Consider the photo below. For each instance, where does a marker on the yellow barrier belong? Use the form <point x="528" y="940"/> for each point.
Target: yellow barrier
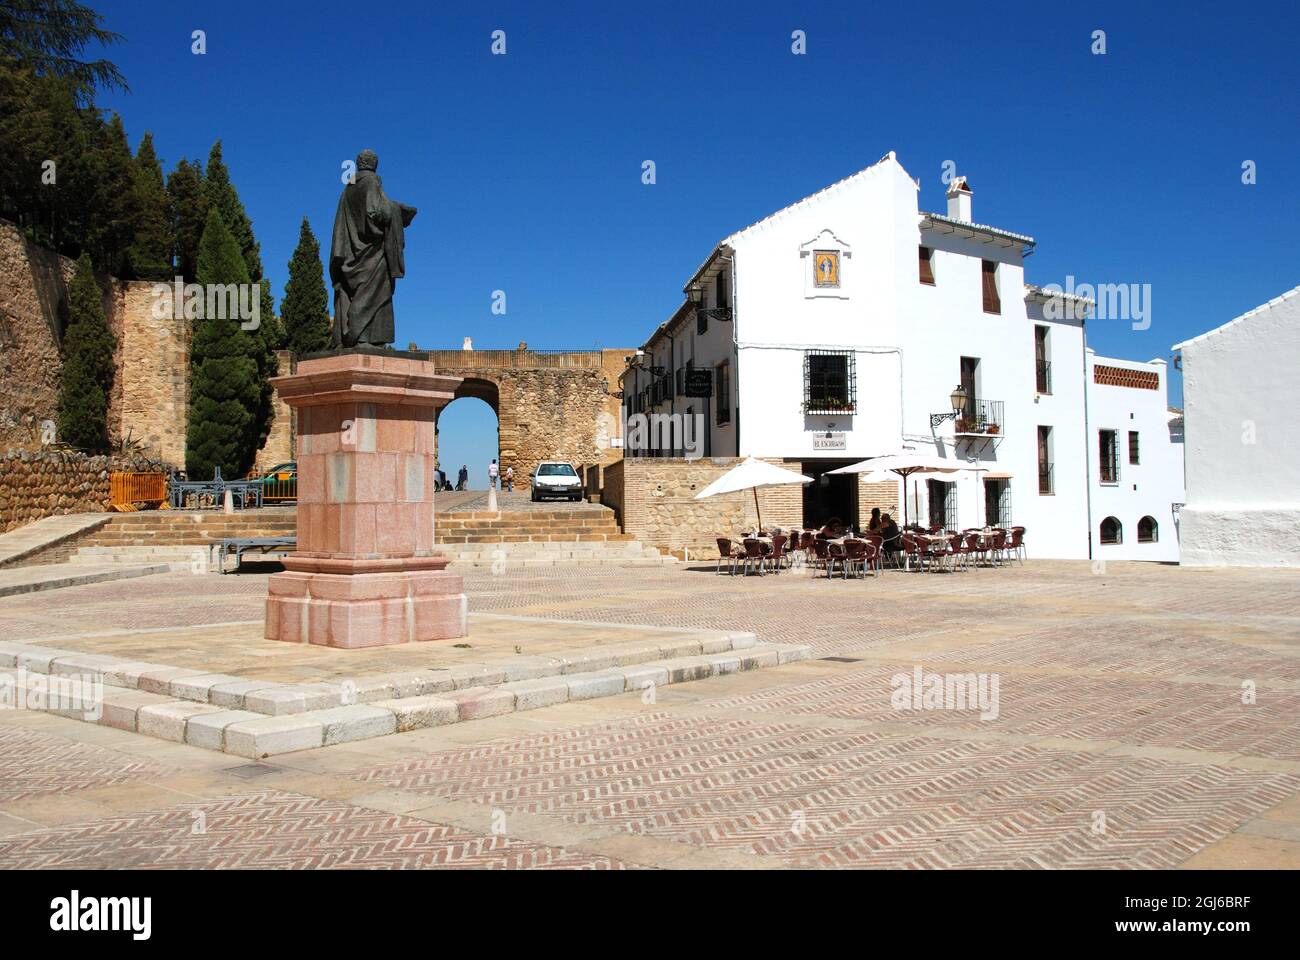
<point x="129" y="492"/>
<point x="279" y="487"/>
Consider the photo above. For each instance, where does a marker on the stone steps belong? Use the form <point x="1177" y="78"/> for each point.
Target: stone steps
<point x="54" y="576"/>
<point x="256" y="719"/>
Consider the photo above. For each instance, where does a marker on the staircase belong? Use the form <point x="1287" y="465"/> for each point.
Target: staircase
<point x="513" y="538"/>
<point x="176" y="538"/>
<point x="540" y="537"/>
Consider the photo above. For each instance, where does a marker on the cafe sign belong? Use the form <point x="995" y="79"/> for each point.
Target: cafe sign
<point x="829" y="441"/>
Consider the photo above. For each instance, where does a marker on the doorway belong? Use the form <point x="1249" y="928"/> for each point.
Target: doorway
<point x="830" y="495"/>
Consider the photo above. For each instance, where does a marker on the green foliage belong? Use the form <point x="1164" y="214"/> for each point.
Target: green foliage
<point x="223" y="196"/>
<point x="305" y="307"/>
<point x="225" y="388"/>
<point x="87" y="377"/>
<point x="150" y="254"/>
<point x="48" y="37"/>
<point x="187" y="211"/>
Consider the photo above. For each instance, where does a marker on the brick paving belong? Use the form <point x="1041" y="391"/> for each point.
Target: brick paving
<point x="1148" y="717"/>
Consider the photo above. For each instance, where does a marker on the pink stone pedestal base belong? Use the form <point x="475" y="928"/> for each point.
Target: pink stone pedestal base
<point x="365" y="609"/>
<point x="365" y="573"/>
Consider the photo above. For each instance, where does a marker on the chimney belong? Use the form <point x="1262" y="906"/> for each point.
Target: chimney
<point x="959" y="200"/>
<point x="468" y="344"/>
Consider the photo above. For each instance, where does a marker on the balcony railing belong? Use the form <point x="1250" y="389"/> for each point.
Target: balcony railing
<point x="1044" y="376"/>
<point x="1045" y="478"/>
<point x="981" y="417"/>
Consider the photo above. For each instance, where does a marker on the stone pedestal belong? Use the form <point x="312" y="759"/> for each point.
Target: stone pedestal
<point x="364" y="573"/>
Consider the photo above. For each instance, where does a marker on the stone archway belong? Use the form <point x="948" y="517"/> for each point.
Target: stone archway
<point x="486" y="389"/>
<point x="549" y="404"/>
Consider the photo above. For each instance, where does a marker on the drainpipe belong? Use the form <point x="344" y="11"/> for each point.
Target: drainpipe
<point x="735" y="355"/>
<point x="672" y="378"/>
<point x="1087" y="432"/>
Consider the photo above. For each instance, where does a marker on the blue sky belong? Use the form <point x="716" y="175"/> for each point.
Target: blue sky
<point x="526" y="167"/>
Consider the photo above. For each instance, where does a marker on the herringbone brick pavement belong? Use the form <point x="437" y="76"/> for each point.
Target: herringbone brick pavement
<point x="276" y="830"/>
<point x="32" y="764"/>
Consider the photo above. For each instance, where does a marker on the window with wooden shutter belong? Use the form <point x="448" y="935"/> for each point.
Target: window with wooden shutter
<point x="992" y="304"/>
<point x="925" y="256"/>
<point x="1133" y="452"/>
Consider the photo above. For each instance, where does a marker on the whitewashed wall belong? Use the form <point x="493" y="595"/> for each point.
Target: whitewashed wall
<point x="1240" y="397"/>
<point x="1149" y="488"/>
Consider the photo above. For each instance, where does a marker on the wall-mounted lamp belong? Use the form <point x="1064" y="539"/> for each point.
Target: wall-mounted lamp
<point x="958" y="400"/>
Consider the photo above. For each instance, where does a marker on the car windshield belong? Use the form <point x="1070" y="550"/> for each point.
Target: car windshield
<point x="556" y="470"/>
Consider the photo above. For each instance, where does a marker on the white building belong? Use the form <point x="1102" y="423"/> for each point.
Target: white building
<point x="838" y="328"/>
<point x="1136" y="464"/>
<point x="1243" y="462"/>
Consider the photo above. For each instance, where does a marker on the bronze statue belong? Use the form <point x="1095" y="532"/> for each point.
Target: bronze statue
<point x="366" y="258"/>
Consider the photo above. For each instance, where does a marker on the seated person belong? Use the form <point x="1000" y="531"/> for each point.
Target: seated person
<point x="833" y="529"/>
<point x="874" y="525"/>
<point x="889" y="530"/>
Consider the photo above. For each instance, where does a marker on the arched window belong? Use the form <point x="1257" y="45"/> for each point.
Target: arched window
<point x="1148" y="530"/>
<point x="1111" y="531"/>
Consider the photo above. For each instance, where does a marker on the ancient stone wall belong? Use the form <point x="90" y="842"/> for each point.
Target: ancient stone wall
<point x="151" y="391"/>
<point x="279" y="446"/>
<point x="549" y="406"/>
<point x="149" y="399"/>
<point x="33" y="292"/>
<point x="37" y="484"/>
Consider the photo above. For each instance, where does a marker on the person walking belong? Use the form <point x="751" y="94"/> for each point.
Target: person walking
<point x="493" y="472"/>
<point x="462" y="480"/>
<point x="509" y="479"/>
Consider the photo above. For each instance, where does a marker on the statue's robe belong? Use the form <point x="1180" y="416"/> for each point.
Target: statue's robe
<point x="366" y="259"/>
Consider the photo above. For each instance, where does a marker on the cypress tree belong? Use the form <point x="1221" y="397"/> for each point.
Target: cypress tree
<point x="150" y="254"/>
<point x="305" y="307"/>
<point x="225" y="392"/>
<point x="187" y="203"/>
<point x="87" y="377"/>
<point x="113" y="198"/>
<point x="222" y="195"/>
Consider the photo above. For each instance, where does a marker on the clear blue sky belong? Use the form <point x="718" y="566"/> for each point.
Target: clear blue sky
<point x="527" y="167"/>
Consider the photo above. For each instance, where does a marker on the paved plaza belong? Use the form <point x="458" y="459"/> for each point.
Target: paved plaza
<point x="1146" y="716"/>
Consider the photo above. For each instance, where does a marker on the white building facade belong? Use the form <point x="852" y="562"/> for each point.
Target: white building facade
<point x="838" y="329"/>
<point x="1243" y="461"/>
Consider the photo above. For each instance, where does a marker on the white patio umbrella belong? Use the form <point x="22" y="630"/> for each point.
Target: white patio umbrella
<point x="902" y="464"/>
<point x="750" y="475"/>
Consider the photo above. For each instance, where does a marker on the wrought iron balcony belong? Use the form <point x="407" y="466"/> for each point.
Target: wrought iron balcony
<point x="984" y="417"/>
<point x="1044" y="376"/>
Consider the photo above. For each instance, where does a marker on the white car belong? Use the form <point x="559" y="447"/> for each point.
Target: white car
<point x="555" y="478"/>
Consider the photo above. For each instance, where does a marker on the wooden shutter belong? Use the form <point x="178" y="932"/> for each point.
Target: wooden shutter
<point x="991" y="302"/>
<point x="927" y="268"/>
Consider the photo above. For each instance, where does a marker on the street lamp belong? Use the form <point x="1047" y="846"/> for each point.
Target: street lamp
<point x="696" y="292"/>
<point x="958" y="400"/>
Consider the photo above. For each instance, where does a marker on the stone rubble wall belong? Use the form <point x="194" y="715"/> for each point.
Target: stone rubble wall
<point x="37" y="484"/>
<point x="150" y="395"/>
<point x="33" y="290"/>
<point x="279" y="446"/>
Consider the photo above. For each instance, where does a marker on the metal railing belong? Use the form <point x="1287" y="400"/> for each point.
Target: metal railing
<point x="1045" y="478"/>
<point x="1044" y="376"/>
<point x="126" y="490"/>
<point x="981" y="416"/>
